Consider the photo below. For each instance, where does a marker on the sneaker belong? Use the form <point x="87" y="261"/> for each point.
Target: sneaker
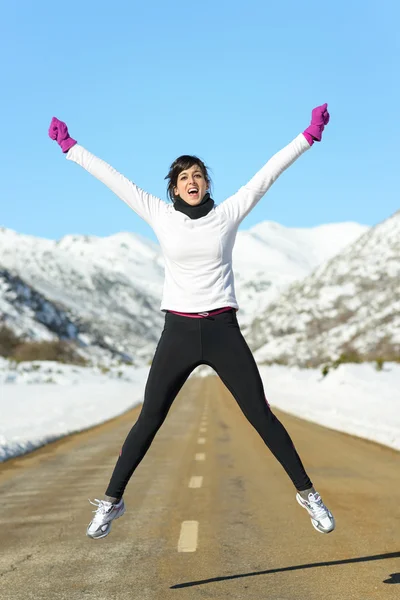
<point x="106" y="512"/>
<point x="321" y="518"/>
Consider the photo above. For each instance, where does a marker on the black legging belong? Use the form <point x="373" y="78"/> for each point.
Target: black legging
<point x="185" y="344"/>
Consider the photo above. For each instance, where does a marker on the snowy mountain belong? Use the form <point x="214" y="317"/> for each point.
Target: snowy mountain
<point x="29" y="314"/>
<point x="110" y="288"/>
<point x="350" y="305"/>
<point x="269" y="257"/>
<point x="111" y="285"/>
<point x="32" y="317"/>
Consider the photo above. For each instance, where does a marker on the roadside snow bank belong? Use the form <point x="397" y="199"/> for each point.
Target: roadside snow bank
<point x="354" y="398"/>
<point x="39" y="405"/>
<point x="35" y="414"/>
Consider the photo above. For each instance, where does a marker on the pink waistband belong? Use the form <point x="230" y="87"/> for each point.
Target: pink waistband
<point x="202" y="315"/>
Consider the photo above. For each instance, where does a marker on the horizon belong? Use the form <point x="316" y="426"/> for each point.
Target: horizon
<point x="154" y="239"/>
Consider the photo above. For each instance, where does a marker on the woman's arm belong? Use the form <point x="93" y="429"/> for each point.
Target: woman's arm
<point x="145" y="205"/>
<point x="238" y="206"/>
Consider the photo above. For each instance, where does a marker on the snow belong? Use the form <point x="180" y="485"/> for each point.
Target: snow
<point x="354" y="398"/>
<point x="42" y="404"/>
<point x="38" y="406"/>
<point x="269" y="257"/>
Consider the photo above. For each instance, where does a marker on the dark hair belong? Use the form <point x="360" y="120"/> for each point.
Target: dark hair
<point x="181" y="164"/>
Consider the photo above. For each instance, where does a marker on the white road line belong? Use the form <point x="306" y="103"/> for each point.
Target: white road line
<point x="203" y="429"/>
<point x="188" y="536"/>
<point x="201" y="440"/>
<point x="200" y="456"/>
<point x="196" y="481"/>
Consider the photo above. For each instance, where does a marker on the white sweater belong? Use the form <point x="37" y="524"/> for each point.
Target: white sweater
<point x="197" y="252"/>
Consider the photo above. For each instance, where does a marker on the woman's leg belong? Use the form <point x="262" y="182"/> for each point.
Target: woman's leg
<point x="227" y="352"/>
<point x="175" y="358"/>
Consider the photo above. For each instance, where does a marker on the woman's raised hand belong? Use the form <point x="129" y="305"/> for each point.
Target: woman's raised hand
<point x="319" y="118"/>
<point x="58" y="131"/>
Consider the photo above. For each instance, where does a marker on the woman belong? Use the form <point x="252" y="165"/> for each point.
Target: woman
<point x="197" y="238"/>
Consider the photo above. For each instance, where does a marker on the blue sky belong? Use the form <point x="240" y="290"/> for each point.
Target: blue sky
<point x="140" y="83"/>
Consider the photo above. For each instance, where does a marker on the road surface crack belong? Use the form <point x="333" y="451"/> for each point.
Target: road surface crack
<point x="15" y="566"/>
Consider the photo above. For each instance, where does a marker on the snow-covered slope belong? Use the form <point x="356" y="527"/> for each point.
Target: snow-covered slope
<point x="269" y="257"/>
<point x="113" y="285"/>
<point x="29" y="314"/>
<point x="349" y="305"/>
<point x="32" y="317"/>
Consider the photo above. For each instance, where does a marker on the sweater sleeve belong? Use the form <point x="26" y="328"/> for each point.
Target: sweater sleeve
<point x="145" y="205"/>
<point x="238" y="206"/>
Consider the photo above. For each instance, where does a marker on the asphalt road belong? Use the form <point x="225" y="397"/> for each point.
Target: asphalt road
<point x="210" y="514"/>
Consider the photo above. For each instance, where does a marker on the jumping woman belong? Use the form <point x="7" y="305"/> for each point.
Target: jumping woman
<point x="197" y="237"/>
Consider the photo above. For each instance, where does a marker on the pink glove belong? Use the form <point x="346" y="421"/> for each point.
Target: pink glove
<point x="319" y="118"/>
<point x="59" y="131"/>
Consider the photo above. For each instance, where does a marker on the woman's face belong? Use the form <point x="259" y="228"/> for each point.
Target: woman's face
<point x="191" y="185"/>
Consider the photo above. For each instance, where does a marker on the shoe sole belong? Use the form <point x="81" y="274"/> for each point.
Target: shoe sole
<point x="100" y="537"/>
<point x="313" y="522"/>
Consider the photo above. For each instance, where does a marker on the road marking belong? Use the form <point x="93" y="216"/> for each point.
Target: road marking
<point x="200" y="456"/>
<point x="188" y="536"/>
<point x="196" y="481"/>
<point x="203" y="429"/>
<point x="201" y="440"/>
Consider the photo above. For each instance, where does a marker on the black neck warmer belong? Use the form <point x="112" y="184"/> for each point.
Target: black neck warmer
<point x="194" y="212"/>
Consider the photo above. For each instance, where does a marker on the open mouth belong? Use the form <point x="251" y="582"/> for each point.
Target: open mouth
<point x="193" y="192"/>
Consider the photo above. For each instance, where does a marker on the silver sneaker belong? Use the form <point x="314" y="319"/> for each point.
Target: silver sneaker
<point x="321" y="518"/>
<point x="106" y="512"/>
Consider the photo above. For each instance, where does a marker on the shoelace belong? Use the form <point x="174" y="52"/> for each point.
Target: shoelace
<point x="317" y="506"/>
<point x="102" y="509"/>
